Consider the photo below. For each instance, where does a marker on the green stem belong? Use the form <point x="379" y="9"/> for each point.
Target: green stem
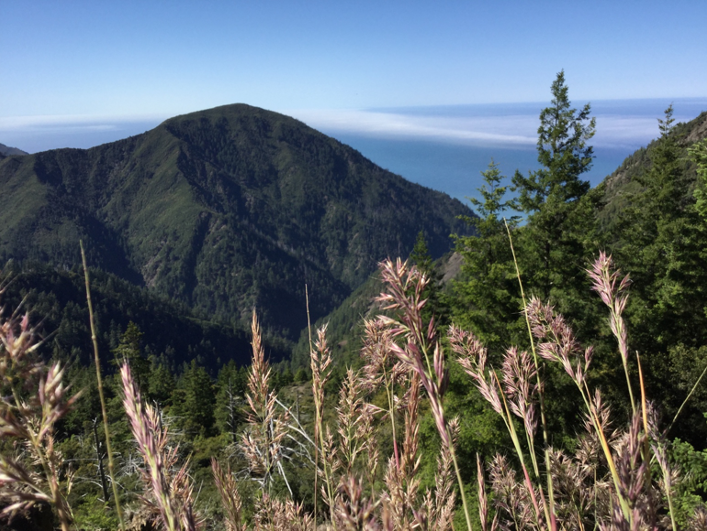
<point x="543" y="421"/>
<point x="94" y="339"/>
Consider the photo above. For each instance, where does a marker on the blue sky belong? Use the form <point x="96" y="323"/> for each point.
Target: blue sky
<point x="75" y="69"/>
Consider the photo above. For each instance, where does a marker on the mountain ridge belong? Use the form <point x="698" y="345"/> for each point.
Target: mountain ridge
<point x="225" y="209"/>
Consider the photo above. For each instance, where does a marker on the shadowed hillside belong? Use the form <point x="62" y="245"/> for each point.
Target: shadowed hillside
<point x="225" y="210"/>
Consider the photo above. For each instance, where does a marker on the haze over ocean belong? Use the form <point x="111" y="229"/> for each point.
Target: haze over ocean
<point x="446" y="147"/>
<point x="441" y="147"/>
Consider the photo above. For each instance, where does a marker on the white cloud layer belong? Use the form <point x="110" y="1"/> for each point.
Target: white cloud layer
<point x="511" y="130"/>
<point x="620" y="124"/>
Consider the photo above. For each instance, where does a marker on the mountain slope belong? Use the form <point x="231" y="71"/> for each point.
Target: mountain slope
<point x="226" y="210"/>
<point x="7" y="151"/>
<point x="622" y="185"/>
<point x="56" y="301"/>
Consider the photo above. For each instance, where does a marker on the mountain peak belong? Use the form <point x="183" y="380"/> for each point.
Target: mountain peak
<point x="225" y="209"/>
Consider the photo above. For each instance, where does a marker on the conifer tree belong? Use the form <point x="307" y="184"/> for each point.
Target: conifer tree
<point x="196" y="407"/>
<point x="130" y="349"/>
<point x="486" y="298"/>
<point x="553" y="251"/>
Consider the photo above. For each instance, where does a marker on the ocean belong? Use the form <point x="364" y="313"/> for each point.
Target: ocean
<point x="446" y="148"/>
<point x="441" y="147"/>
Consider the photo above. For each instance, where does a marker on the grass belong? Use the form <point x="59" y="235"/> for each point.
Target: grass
<point x="616" y="477"/>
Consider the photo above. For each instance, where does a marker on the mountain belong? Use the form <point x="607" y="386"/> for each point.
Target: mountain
<point x="224" y="210"/>
<point x="622" y="185"/>
<point x="172" y="334"/>
<point x="6" y="151"/>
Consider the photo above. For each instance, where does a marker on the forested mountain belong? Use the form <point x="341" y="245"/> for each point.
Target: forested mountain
<point x="527" y="343"/>
<point x="224" y="210"/>
<point x="173" y="335"/>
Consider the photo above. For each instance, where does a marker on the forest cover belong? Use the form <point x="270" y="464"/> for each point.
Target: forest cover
<point x="554" y="383"/>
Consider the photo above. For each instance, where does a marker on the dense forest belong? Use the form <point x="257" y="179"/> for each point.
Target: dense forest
<point x="547" y="374"/>
<point x="222" y="210"/>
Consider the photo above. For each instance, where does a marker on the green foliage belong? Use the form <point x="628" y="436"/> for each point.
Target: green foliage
<point x="224" y="210"/>
<point x="194" y="401"/>
<point x="230" y="398"/>
<point x="485" y="296"/>
<point x="698" y="153"/>
<point x="552" y="245"/>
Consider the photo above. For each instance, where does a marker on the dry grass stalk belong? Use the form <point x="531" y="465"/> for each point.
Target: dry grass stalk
<point x="171" y="494"/>
<point x="320" y="363"/>
<point x="262" y="442"/>
<point x="33" y="400"/>
<point x="421" y="350"/>
<point x="99" y="381"/>
<point x="228" y="490"/>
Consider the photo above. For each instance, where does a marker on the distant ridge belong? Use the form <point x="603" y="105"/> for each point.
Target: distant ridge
<point x="226" y="210"/>
<point x="6" y="151"/>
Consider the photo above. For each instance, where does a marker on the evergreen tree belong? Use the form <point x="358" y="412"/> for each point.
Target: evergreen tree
<point x="129" y="350"/>
<point x="195" y="408"/>
<point x="162" y="384"/>
<point x="553" y="254"/>
<point x="232" y="383"/>
<point x="485" y="298"/>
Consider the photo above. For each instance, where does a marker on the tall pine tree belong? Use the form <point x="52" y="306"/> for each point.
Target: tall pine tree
<point x="553" y="256"/>
<point x="486" y="297"/>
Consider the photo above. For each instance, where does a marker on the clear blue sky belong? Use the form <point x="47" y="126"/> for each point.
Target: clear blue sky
<point x="161" y="58"/>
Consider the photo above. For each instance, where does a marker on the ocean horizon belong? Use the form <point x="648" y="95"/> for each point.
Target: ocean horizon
<point x="440" y="147"/>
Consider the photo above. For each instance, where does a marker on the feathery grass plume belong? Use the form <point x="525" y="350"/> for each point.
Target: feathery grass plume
<point x="518" y="370"/>
<point x="320" y="363"/>
<point x="228" y="490"/>
<point x="512" y="499"/>
<point x="354" y="512"/>
<point x="355" y="424"/>
<point x="262" y="442"/>
<point x="382" y="368"/>
<point x="278" y="515"/>
<point x="33" y="400"/>
<point x="171" y="495"/>
<point x="438" y="504"/>
<point x="561" y="347"/>
<point x="575" y="487"/>
<point x="605" y="281"/>
<point x="483" y="499"/>
<point x="401" y="478"/>
<point x="421" y="351"/>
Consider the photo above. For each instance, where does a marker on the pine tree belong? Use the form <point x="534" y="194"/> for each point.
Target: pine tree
<point x="230" y="400"/>
<point x="486" y="298"/>
<point x="553" y="254"/>
<point x="129" y="350"/>
<point x="198" y="399"/>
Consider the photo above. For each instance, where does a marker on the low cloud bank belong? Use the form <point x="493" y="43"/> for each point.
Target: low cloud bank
<point x="628" y="124"/>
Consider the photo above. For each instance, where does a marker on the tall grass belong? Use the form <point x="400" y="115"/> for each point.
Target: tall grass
<point x="615" y="478"/>
<point x="33" y="399"/>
